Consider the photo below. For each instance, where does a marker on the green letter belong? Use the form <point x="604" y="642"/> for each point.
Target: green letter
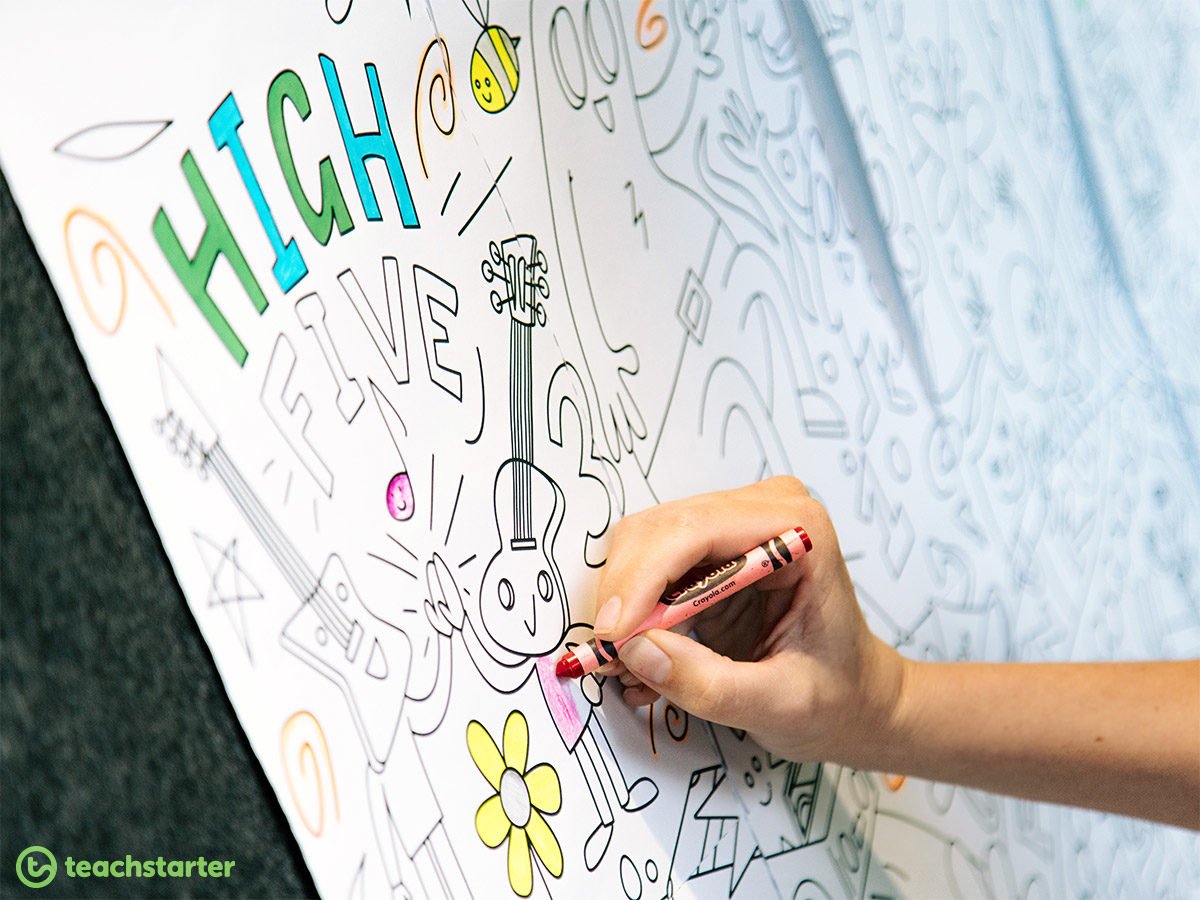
<point x="288" y="86"/>
<point x="194" y="272"/>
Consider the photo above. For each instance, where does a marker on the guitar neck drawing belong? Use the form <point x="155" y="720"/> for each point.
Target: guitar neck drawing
<point x="526" y="312"/>
<point x="520" y="373"/>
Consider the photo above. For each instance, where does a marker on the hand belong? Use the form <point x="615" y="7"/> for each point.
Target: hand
<point x="789" y="660"/>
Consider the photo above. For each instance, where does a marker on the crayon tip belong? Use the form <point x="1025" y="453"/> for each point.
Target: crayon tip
<point x="804" y="538"/>
<point x="569" y="666"/>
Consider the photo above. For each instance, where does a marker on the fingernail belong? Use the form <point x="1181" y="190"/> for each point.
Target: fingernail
<point x="642" y="657"/>
<point x="608" y="617"/>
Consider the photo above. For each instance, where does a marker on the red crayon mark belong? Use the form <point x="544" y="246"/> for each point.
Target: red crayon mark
<point x="562" y="707"/>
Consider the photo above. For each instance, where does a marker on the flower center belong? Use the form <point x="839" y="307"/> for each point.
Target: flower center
<point x="514" y="797"/>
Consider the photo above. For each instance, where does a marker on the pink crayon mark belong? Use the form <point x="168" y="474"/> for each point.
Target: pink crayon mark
<point x="400" y="497"/>
<point x="559" y="699"/>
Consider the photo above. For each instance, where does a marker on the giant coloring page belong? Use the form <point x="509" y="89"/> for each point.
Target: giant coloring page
<point x="398" y="306"/>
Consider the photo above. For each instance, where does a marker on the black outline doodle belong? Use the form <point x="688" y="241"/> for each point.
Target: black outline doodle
<point x="434" y="291"/>
<point x="449" y="193"/>
<point x="107" y="129"/>
<point x="524" y="569"/>
<point x="491" y="190"/>
<point x="276" y="383"/>
<point x="638" y="214"/>
<point x="310" y="310"/>
<point x="393" y="422"/>
<point x="334" y="17"/>
<point x="222" y="564"/>
<point x="396" y="354"/>
<point x="368" y="656"/>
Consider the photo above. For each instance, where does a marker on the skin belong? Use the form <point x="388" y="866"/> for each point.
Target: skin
<point x="792" y="661"/>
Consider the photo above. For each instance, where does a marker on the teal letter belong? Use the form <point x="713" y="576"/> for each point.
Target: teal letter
<point x="370" y="145"/>
<point x="224" y="123"/>
<point x="195" y="271"/>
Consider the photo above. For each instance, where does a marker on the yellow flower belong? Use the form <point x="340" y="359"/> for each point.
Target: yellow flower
<point x="515" y="810"/>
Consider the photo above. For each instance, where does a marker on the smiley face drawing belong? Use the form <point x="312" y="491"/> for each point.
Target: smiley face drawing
<point x="494" y="69"/>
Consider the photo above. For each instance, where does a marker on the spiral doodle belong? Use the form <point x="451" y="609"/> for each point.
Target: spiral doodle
<point x="102" y="283"/>
<point x="309" y="770"/>
<point x="438" y="92"/>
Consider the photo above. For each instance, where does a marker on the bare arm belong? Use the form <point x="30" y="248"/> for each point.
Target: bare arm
<point x="793" y="662"/>
<point x="1120" y="737"/>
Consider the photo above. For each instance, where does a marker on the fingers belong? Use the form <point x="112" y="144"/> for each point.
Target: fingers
<point x="704" y="683"/>
<point x="652" y="549"/>
<point x="640" y="695"/>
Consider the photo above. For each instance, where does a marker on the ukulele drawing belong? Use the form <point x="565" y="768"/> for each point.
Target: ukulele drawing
<point x="523" y="581"/>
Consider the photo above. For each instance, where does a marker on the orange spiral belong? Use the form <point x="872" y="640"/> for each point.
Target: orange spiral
<point x="103" y="284"/>
<point x="309" y="770"/>
<point x="438" y="93"/>
<point x="651" y="26"/>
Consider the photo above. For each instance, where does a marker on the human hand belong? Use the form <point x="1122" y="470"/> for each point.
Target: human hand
<point x="789" y="660"/>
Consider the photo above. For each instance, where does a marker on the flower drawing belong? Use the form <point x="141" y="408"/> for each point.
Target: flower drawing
<point x="516" y="810"/>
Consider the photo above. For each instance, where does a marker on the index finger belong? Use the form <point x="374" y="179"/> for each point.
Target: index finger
<point x="658" y="546"/>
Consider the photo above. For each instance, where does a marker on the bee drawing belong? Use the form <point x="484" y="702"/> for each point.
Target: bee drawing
<point x="495" y="70"/>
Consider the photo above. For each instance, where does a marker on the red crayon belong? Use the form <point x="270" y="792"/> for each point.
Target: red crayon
<point x="680" y="605"/>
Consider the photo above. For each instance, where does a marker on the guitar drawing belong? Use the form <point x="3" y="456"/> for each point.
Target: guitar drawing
<point x="333" y="630"/>
<point x="523" y="604"/>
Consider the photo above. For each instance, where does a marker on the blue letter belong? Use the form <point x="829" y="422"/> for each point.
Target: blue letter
<point x="370" y="145"/>
<point x="224" y="123"/>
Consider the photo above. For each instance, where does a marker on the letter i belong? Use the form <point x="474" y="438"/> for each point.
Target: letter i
<point x="289" y="265"/>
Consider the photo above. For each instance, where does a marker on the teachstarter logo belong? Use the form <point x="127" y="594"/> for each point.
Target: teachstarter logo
<point x="37" y="867"/>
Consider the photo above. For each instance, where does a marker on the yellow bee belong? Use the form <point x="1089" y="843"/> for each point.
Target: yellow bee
<point x="494" y="69"/>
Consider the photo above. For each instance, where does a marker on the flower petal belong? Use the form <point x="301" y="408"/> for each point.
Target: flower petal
<point x="490" y="821"/>
<point x="520" y="866"/>
<point x="485" y="753"/>
<point x="544" y="790"/>
<point x="545" y="844"/>
<point x="516" y="741"/>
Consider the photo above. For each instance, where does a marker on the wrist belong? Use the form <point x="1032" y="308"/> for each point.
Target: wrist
<point x="884" y="711"/>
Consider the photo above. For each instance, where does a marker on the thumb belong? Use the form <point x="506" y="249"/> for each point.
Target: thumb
<point x="702" y="681"/>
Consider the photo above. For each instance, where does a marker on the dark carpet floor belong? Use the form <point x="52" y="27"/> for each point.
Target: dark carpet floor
<point x="116" y="735"/>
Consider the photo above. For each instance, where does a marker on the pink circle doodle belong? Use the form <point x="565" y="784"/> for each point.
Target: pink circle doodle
<point x="400" y="497"/>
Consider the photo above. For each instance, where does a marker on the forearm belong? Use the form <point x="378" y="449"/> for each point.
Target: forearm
<point x="1121" y="737"/>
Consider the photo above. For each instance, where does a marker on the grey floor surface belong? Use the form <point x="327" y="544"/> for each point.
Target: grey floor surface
<point x="116" y="735"/>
